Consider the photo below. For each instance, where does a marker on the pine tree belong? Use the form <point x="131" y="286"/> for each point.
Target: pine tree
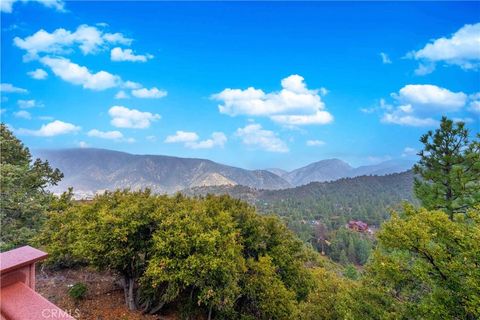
<point x="449" y="169"/>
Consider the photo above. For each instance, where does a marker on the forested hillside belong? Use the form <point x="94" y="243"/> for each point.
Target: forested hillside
<point x="366" y="198"/>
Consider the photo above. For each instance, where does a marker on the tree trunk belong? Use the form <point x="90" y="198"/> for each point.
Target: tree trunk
<point x="128" y="290"/>
<point x="131" y="296"/>
<point x="210" y="313"/>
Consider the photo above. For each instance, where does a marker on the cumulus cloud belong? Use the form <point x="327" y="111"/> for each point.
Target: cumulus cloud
<point x="123" y="117"/>
<point x="461" y="49"/>
<point x="131" y="85"/>
<point x="6" y="6"/>
<point x="51" y="129"/>
<point x="22" y="114"/>
<point x="385" y="58"/>
<point x="152" y="93"/>
<point x="121" y="95"/>
<point x="424" y="69"/>
<point x="119" y="54"/>
<point x="315" y="143"/>
<point x="89" y="39"/>
<point x="418" y="105"/>
<point x="26" y="104"/>
<point x="474" y="105"/>
<point x="295" y="104"/>
<point x="320" y="117"/>
<point x="182" y="136"/>
<point x="110" y="135"/>
<point x="10" y="88"/>
<point x="255" y="136"/>
<point x="430" y="97"/>
<point x="80" y="75"/>
<point x="406" y="120"/>
<point x="38" y="74"/>
<point x="192" y="140"/>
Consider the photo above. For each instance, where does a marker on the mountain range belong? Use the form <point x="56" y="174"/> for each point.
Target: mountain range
<point x="334" y="169"/>
<point x="89" y="170"/>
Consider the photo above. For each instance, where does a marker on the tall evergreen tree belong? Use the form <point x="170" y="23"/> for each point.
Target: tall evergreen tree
<point x="449" y="169"/>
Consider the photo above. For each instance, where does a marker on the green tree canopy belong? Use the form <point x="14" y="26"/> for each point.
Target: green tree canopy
<point x="24" y="197"/>
<point x="214" y="254"/>
<point x="428" y="265"/>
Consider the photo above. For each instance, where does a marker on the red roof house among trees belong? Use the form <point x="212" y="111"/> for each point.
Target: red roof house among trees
<point x="358" y="225"/>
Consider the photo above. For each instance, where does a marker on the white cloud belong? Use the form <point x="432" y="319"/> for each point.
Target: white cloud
<point x="6" y="6"/>
<point x="295" y="104"/>
<point x="121" y="95"/>
<point x="418" y="105"/>
<point x="80" y="75"/>
<point x="409" y="151"/>
<point x="117" y="38"/>
<point x="89" y="39"/>
<point x="9" y="88"/>
<point x="182" y="136"/>
<point x="430" y="97"/>
<point x="475" y="106"/>
<point x="405" y="120"/>
<point x="191" y="140"/>
<point x="152" y="93"/>
<point x="424" y="69"/>
<point x="255" y="136"/>
<point x="83" y="144"/>
<point x="51" y="129"/>
<point x="131" y="85"/>
<point x="123" y="117"/>
<point x="23" y="114"/>
<point x="38" y="74"/>
<point x="110" y="135"/>
<point x="217" y="139"/>
<point x="26" y="104"/>
<point x="119" y="54"/>
<point x="385" y="58"/>
<point x="320" y="117"/>
<point x="461" y="49"/>
<point x="315" y="143"/>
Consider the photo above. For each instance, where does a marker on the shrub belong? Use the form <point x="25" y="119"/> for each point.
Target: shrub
<point x="78" y="291"/>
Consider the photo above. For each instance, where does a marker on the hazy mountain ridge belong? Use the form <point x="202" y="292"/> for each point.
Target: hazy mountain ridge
<point x="89" y="170"/>
<point x="98" y="169"/>
<point x="334" y="169"/>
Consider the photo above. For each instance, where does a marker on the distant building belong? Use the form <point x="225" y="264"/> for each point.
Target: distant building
<point x="359" y="226"/>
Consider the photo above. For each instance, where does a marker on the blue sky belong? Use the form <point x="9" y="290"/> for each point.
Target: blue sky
<point x="249" y="84"/>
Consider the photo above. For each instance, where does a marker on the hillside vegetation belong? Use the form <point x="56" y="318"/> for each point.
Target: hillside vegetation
<point x="215" y="257"/>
